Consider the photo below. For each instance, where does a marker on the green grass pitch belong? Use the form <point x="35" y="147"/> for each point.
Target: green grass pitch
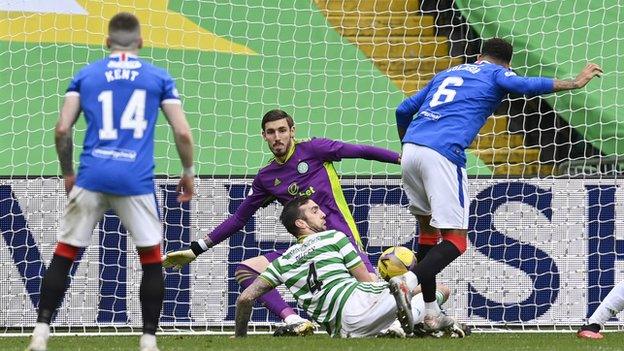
<point x="483" y="341"/>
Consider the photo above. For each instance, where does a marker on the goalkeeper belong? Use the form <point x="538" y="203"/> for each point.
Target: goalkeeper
<point x="326" y="275"/>
<point x="298" y="168"/>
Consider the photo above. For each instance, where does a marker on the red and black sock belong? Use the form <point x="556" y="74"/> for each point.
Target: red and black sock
<point x="55" y="281"/>
<point x="427" y="241"/>
<point x="438" y="258"/>
<point x="152" y="290"/>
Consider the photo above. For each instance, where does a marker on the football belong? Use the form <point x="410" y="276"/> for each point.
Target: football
<point x="395" y="261"/>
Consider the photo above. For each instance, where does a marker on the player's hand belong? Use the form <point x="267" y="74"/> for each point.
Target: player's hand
<point x="590" y="71"/>
<point x="178" y="259"/>
<point x="185" y="188"/>
<point x="69" y="181"/>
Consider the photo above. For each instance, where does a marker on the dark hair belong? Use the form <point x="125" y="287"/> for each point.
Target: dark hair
<point x="276" y="115"/>
<point x="124" y="31"/>
<point x="497" y="48"/>
<point x="292" y="212"/>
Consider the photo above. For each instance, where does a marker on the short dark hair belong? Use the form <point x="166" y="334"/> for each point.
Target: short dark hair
<point x="498" y="48"/>
<point x="124" y="31"/>
<point x="292" y="212"/>
<point x="276" y="115"/>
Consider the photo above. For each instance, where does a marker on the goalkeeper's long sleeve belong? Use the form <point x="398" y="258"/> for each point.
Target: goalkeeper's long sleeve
<point x="257" y="197"/>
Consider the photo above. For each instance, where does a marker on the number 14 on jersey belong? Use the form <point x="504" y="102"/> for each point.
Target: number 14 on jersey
<point x="133" y="116"/>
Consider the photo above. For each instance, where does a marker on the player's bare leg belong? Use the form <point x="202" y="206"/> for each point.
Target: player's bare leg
<point x="246" y="272"/>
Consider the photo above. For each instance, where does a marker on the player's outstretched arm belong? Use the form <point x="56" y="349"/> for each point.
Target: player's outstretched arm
<point x="245" y="302"/>
<point x="63" y="138"/>
<point x="258" y="196"/>
<point x="184" y="144"/>
<point x="590" y="71"/>
<point x="334" y="150"/>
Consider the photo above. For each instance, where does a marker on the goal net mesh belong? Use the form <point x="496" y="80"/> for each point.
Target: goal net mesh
<point x="545" y="233"/>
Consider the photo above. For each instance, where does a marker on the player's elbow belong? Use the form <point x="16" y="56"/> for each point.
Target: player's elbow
<point x="184" y="136"/>
<point x="61" y="131"/>
<point x="401" y="111"/>
<point x="403" y="115"/>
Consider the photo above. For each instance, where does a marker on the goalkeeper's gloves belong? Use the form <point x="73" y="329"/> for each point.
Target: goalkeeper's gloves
<point x="179" y="259"/>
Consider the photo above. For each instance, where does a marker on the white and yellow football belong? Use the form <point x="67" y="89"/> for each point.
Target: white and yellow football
<point x="395" y="261"/>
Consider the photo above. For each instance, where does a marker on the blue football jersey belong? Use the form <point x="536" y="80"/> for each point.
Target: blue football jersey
<point x="447" y="113"/>
<point x="120" y="97"/>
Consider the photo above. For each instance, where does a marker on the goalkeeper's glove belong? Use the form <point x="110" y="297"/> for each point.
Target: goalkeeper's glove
<point x="179" y="259"/>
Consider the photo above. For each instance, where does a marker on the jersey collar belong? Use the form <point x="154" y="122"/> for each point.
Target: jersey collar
<point x="291" y="151"/>
<point x="123" y="56"/>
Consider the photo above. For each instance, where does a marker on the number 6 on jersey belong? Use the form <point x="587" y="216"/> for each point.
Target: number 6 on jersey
<point x="443" y="90"/>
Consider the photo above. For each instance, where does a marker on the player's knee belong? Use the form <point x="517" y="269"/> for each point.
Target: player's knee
<point x="258" y="264"/>
<point x="150" y="255"/>
<point x="243" y="273"/>
<point x="458" y="239"/>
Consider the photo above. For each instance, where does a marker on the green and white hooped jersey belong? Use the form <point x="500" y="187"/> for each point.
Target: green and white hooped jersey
<point x="316" y="272"/>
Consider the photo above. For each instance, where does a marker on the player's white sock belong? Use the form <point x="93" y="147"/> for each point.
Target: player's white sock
<point x="411" y="280"/>
<point x="42" y="330"/>
<point x="610" y="306"/>
<point x="293" y="319"/>
<point x="148" y="341"/>
<point x="39" y="340"/>
<point x="418" y="308"/>
<point x="432" y="309"/>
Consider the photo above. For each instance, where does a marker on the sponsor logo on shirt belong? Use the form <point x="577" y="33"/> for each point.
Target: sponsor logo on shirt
<point x="430" y="114"/>
<point x="124" y="64"/>
<point x="115" y="154"/>
<point x="293" y="189"/>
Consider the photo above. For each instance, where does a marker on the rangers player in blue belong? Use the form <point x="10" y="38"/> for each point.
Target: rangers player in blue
<point x="435" y="126"/>
<point x="120" y="97"/>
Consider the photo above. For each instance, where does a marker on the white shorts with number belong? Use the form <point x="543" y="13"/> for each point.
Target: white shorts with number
<point x="366" y="313"/>
<point x="435" y="186"/>
<point x="138" y="214"/>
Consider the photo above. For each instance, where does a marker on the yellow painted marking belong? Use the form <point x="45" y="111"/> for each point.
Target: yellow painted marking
<point x="160" y="27"/>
